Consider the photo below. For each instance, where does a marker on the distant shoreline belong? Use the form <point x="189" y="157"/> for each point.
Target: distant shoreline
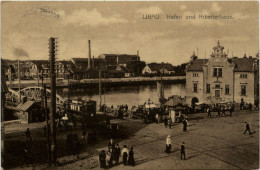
<point x="94" y="83"/>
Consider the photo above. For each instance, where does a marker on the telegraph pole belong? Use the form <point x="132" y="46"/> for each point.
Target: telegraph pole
<point x="100" y="98"/>
<point x="19" y="78"/>
<point x="42" y="77"/>
<point x="52" y="52"/>
<point x="38" y="77"/>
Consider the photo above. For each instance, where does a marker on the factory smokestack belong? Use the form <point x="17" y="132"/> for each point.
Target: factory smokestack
<point x="89" y="56"/>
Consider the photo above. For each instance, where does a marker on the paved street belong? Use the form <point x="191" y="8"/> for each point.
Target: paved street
<point x="210" y="143"/>
<point x="217" y="143"/>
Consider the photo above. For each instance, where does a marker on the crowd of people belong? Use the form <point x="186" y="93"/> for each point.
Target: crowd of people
<point x="111" y="157"/>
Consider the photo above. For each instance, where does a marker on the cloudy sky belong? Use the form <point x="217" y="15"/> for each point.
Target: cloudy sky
<point x="119" y="27"/>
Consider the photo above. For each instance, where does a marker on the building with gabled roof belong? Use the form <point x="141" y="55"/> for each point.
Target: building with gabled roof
<point x="222" y="78"/>
<point x="39" y="67"/>
<point x="167" y="68"/>
<point x="162" y="68"/>
<point x="152" y="68"/>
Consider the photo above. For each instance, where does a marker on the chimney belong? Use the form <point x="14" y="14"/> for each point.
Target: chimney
<point x="250" y="56"/>
<point x="244" y="56"/>
<point x="137" y="52"/>
<point x="93" y="64"/>
<point x="89" y="56"/>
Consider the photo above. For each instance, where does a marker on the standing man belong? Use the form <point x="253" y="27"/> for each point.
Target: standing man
<point x="247" y="128"/>
<point x="165" y="121"/>
<point x="77" y="148"/>
<point x="183" y="151"/>
<point x="111" y="145"/>
<point x="219" y="109"/>
<point x="157" y="118"/>
<point x="28" y="136"/>
<point x="242" y="104"/>
<point x="223" y="110"/>
<point x="170" y="122"/>
<point x="232" y="108"/>
<point x="102" y="159"/>
<point x="116" y="153"/>
<point x="184" y="125"/>
<point x="209" y="112"/>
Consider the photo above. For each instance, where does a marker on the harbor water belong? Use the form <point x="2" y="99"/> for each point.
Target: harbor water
<point x="130" y="95"/>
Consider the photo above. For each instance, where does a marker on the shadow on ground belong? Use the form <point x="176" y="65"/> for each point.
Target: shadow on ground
<point x="15" y="144"/>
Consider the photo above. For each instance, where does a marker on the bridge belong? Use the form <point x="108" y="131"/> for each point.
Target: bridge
<point x="34" y="93"/>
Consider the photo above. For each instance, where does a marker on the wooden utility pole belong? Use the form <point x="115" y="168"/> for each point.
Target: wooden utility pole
<point x="100" y="98"/>
<point x="68" y="86"/>
<point x="38" y="77"/>
<point x="52" y="50"/>
<point x="19" y="78"/>
<point x="47" y="124"/>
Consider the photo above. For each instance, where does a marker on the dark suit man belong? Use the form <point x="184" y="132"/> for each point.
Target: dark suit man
<point x="183" y="151"/>
<point x="247" y="128"/>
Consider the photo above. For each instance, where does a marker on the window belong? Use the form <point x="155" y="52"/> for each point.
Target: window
<point x="226" y="89"/>
<point x="243" y="90"/>
<point x="208" y="88"/>
<point x="195" y="74"/>
<point x="195" y="87"/>
<point x="220" y="72"/>
<point x="243" y="75"/>
<point x="217" y="72"/>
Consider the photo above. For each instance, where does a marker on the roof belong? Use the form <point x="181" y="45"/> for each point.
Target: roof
<point x="65" y="62"/>
<point x="116" y="71"/>
<point x="39" y="63"/>
<point x="241" y="64"/>
<point x="4" y="64"/>
<point x="124" y="69"/>
<point x="154" y="66"/>
<point x="168" y="67"/>
<point x="244" y="64"/>
<point x="24" y="106"/>
<point x="80" y="59"/>
<point x="175" y="100"/>
<point x="196" y="65"/>
<point x="120" y="55"/>
<point x="109" y="68"/>
<point x="86" y="59"/>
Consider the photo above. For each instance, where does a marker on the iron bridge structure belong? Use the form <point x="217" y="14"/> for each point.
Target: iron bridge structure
<point x="35" y="93"/>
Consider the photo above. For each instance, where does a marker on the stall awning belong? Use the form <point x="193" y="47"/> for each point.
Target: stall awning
<point x="175" y="101"/>
<point x="147" y="106"/>
<point x="24" y="106"/>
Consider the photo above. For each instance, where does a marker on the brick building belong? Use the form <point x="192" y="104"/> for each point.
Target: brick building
<point x="118" y="59"/>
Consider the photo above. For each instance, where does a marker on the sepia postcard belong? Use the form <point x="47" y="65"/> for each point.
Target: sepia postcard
<point x="129" y="85"/>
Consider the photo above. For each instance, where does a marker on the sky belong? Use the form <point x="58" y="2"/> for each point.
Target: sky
<point x="120" y="28"/>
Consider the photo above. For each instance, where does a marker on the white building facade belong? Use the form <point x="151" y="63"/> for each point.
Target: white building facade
<point x="222" y="79"/>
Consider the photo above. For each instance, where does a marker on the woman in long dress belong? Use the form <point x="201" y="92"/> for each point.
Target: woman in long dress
<point x="131" y="159"/>
<point x="168" y="144"/>
<point x="125" y="154"/>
